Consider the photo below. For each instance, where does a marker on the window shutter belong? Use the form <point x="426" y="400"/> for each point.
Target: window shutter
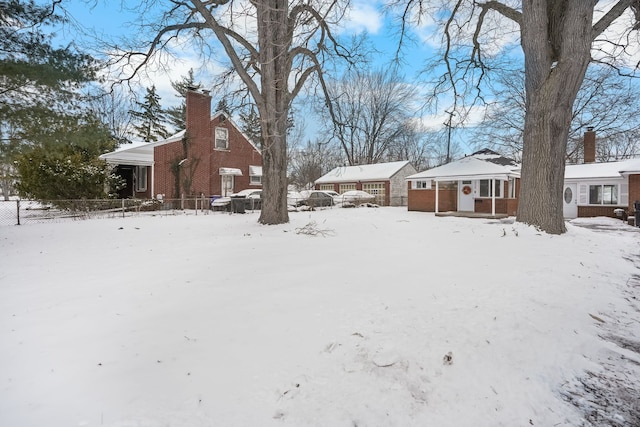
<point x="624" y="194"/>
<point x="583" y="194"/>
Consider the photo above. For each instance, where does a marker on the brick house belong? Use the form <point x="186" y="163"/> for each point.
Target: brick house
<point x="484" y="182"/>
<point x="212" y="156"/>
<point x="590" y="189"/>
<point x="597" y="189"/>
<point x="386" y="181"/>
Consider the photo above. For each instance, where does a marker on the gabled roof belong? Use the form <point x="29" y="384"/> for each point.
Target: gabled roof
<point x="141" y="153"/>
<point x="606" y="170"/>
<point x="483" y="164"/>
<point x="377" y="171"/>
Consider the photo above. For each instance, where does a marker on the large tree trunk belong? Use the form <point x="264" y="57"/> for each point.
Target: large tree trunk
<point x="556" y="40"/>
<point x="274" y="42"/>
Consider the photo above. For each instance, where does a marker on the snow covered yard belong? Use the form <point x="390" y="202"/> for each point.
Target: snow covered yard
<point x="382" y="318"/>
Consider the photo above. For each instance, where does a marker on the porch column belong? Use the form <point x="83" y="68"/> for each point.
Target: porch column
<point x="436" y="181"/>
<point x="493" y="196"/>
<point x="153" y="181"/>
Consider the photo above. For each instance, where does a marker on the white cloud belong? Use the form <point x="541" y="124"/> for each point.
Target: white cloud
<point x="363" y="16"/>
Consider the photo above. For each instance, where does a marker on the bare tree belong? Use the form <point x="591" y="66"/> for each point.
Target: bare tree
<point x="274" y="47"/>
<point x="371" y="111"/>
<point x="112" y="108"/>
<point x="607" y="102"/>
<point x="557" y="38"/>
<point x="310" y="161"/>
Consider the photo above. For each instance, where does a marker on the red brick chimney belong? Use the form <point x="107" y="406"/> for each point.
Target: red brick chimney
<point x="590" y="146"/>
<point x="198" y="106"/>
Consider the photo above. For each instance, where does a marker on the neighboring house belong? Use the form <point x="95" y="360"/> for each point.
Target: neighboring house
<point x="212" y="156"/>
<point x="484" y="182"/>
<point x="590" y="189"/>
<point x="384" y="180"/>
<point x="597" y="189"/>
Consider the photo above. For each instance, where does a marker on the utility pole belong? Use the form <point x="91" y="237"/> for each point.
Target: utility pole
<point x="448" y="125"/>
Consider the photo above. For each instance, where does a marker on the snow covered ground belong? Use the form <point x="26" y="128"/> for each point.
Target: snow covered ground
<point x="343" y="317"/>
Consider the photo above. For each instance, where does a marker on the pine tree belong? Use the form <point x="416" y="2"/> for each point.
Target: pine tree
<point x="150" y="117"/>
<point x="177" y="116"/>
<point x="251" y="124"/>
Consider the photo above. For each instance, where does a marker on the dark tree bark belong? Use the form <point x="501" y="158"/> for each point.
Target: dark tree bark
<point x="557" y="48"/>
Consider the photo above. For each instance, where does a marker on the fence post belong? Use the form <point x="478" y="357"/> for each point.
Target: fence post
<point x="18" y="211"/>
<point x="122" y="208"/>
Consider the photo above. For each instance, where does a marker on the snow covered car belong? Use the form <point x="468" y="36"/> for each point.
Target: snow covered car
<point x="252" y="200"/>
<point x="357" y="197"/>
<point x="319" y="198"/>
<point x="295" y="199"/>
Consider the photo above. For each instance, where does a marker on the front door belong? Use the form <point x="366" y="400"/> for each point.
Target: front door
<point x="570" y="201"/>
<point x="465" y="196"/>
<point x="227" y="185"/>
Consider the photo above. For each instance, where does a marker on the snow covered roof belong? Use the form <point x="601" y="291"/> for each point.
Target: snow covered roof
<point x="602" y="170"/>
<point x="484" y="164"/>
<point x="378" y="171"/>
<point x="138" y="154"/>
<point x="141" y="153"/>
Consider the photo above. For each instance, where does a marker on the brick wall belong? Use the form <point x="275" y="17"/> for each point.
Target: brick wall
<point x="591" y="211"/>
<point x="240" y="154"/>
<point x="425" y="200"/>
<point x="203" y="160"/>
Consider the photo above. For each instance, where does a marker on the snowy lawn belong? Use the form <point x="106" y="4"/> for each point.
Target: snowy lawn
<point x="380" y="317"/>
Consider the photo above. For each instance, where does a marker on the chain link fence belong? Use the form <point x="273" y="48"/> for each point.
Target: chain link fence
<point x="17" y="212"/>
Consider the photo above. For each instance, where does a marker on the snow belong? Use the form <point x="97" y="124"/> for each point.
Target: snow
<point x="478" y="167"/>
<point x="383" y="318"/>
<point x="362" y="172"/>
<point x="602" y="170"/>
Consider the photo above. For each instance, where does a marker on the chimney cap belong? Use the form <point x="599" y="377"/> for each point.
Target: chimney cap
<point x="589" y="128"/>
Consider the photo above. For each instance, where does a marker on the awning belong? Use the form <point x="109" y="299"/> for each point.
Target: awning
<point x="255" y="170"/>
<point x="230" y="171"/>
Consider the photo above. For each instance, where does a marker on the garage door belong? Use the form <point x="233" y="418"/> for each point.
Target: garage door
<point x="377" y="189"/>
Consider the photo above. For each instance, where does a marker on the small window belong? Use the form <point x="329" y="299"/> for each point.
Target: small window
<point x="326" y="187"/>
<point x="485" y="188"/>
<point x="222" y="139"/>
<point x="603" y="194"/>
<point x="422" y="185"/>
<point x="255" y="180"/>
<point x="347" y="187"/>
<point x="141" y="179"/>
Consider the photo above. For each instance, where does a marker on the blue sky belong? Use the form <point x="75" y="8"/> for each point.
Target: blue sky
<point x="109" y="21"/>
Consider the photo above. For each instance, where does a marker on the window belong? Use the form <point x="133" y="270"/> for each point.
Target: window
<point x="141" y="179"/>
<point x="222" y="139"/>
<point x="422" y="185"/>
<point x="347" y="187"/>
<point x="512" y="188"/>
<point x="255" y="175"/>
<point x="603" y="194"/>
<point x="485" y="188"/>
<point x="326" y="187"/>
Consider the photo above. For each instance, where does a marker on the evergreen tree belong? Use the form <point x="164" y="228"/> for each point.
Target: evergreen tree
<point x="251" y="124"/>
<point x="177" y="116"/>
<point x="150" y="117"/>
<point x="65" y="165"/>
<point x="40" y="87"/>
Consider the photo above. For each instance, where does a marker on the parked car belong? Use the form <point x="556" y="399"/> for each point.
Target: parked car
<point x="252" y="200"/>
<point x="296" y="199"/>
<point x="357" y="197"/>
<point x="317" y="198"/>
<point x="337" y="197"/>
